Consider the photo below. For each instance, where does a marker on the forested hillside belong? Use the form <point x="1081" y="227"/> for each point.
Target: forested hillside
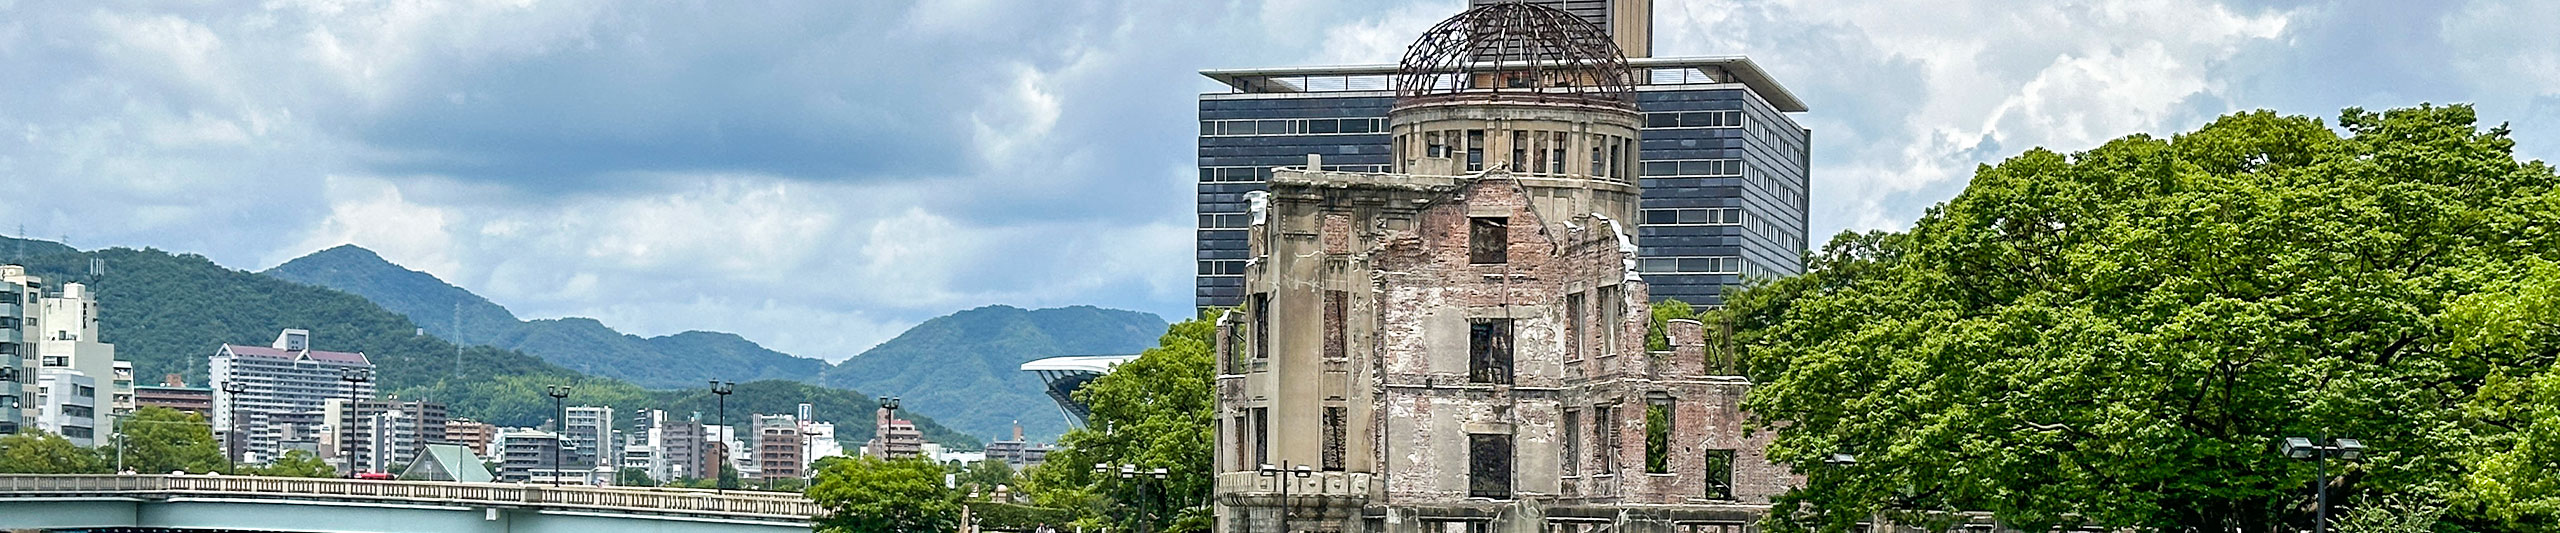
<point x="964" y="367"/>
<point x="167" y="313"/>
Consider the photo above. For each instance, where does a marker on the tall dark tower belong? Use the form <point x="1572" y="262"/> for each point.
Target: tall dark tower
<point x="1722" y="167"/>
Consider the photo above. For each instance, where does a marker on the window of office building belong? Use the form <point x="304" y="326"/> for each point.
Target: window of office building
<point x="1489" y="351"/>
<point x="1488" y="240"/>
<point x="1489" y="466"/>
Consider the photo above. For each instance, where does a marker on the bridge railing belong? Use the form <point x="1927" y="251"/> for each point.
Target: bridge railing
<point x="765" y="505"/>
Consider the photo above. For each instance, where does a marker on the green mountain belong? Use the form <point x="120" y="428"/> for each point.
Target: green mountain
<point x="967" y="366"/>
<point x="167" y="312"/>
<point x="585" y="345"/>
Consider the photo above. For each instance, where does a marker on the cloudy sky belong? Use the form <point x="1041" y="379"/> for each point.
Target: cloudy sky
<point x="820" y="175"/>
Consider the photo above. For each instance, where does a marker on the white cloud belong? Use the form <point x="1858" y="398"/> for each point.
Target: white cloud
<point x="372" y="213"/>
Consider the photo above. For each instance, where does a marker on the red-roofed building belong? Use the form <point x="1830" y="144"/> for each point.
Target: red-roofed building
<point x="282" y="385"/>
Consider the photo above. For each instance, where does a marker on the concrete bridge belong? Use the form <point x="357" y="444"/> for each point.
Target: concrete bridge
<point x="343" y="505"/>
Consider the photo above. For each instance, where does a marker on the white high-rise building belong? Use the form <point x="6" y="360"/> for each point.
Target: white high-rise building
<point x="284" y="382"/>
<point x="69" y="340"/>
<point x="70" y="405"/>
<point x="590" y="434"/>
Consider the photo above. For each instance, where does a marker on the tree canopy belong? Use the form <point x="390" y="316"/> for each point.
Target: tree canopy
<point x="872" y="495"/>
<point x="38" y="452"/>
<point x="159" y="440"/>
<point x="2118" y="338"/>
<point x="1150" y="412"/>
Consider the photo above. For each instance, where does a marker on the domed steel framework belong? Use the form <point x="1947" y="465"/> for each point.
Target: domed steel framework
<point x="1515" y="50"/>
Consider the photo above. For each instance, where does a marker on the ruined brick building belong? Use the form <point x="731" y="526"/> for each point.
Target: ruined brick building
<point x="1458" y="345"/>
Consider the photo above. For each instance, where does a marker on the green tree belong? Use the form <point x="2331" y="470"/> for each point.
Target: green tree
<point x="296" y="463"/>
<point x="2117" y="338"/>
<point x="873" y="495"/>
<point x="1149" y="412"/>
<point x="1656" y="336"/>
<point x="38" y="452"/>
<point x="161" y="440"/>
<point x="634" y="477"/>
<point x="985" y="475"/>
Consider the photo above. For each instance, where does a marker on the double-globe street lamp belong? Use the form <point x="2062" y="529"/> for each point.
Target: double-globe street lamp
<point x="720" y="482"/>
<point x="352" y="376"/>
<point x="2303" y="449"/>
<point x="559" y="394"/>
<point x="1282" y="474"/>
<point x="231" y="438"/>
<point x="1131" y="471"/>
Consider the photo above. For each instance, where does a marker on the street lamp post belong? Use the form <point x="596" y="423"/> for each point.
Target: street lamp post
<point x="231" y="438"/>
<point x="2303" y="449"/>
<point x="1282" y="474"/>
<point x="721" y="389"/>
<point x="352" y="376"/>
<point x="558" y="394"/>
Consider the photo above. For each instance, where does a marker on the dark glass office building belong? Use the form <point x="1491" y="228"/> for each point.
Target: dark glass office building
<point x="1722" y="165"/>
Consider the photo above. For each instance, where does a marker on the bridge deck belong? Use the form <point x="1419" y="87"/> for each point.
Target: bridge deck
<point x="735" y="507"/>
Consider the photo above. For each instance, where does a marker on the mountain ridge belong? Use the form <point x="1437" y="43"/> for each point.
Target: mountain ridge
<point x="963" y="367"/>
<point x="166" y="312"/>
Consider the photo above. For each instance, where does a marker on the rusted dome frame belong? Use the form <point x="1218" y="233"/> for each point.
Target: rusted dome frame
<point x="1515" y="50"/>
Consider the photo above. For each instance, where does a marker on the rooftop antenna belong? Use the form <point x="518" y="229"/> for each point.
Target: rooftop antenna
<point x="457" y="340"/>
<point x="97" y="267"/>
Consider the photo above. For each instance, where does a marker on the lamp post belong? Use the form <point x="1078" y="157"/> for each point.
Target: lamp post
<point x="721" y="389"/>
<point x="558" y="394"/>
<point x="1282" y="474"/>
<point x="352" y="375"/>
<point x="2302" y="449"/>
<point x="231" y="438"/>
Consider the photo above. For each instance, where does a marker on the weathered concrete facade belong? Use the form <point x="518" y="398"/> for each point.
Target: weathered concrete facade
<point x="1459" y="346"/>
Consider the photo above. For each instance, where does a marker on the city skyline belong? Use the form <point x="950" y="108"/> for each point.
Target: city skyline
<point x="572" y="160"/>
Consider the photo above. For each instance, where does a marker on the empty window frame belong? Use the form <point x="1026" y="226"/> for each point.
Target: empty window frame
<point x="1489" y="351"/>
<point x="1555" y="153"/>
<point x="1475" y="150"/>
<point x="1261" y="435"/>
<point x="1657" y="437"/>
<point x="1520" y="151"/>
<point x="1336" y="312"/>
<point x="1261" y="325"/>
<point x="1337" y="430"/>
<point x="1572" y="456"/>
<point x="1489" y="466"/>
<point x="1438" y="145"/>
<point x="1718" y="475"/>
<point x="1488" y="240"/>
<point x="1574" y="330"/>
<point x="1612" y="307"/>
<point x="1604" y="419"/>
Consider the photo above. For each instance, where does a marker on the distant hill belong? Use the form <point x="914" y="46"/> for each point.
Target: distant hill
<point x="581" y="344"/>
<point x="964" y="368"/>
<point x="967" y="366"/>
<point x="167" y="312"/>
